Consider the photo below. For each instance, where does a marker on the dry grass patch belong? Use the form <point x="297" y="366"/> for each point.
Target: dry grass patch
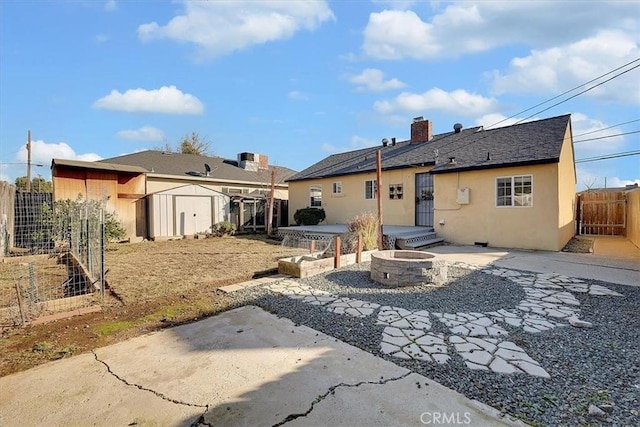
<point x="147" y="270"/>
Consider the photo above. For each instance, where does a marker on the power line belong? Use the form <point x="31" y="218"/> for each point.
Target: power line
<point x="606" y="136"/>
<point x="21" y="163"/>
<point x="609" y="156"/>
<point x="556" y="97"/>
<point x="566" y="92"/>
<point x="608" y="127"/>
<point x="580" y="93"/>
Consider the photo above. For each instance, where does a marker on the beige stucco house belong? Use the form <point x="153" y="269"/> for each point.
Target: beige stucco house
<point x="195" y="191"/>
<point x="506" y="187"/>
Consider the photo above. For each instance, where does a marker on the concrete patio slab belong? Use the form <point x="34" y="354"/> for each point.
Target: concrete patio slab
<point x="605" y="267"/>
<point x="243" y="367"/>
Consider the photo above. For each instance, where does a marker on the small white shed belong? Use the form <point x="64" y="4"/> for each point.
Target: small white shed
<point x="186" y="210"/>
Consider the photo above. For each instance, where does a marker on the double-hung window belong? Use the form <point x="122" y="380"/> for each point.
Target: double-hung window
<point x="370" y="189"/>
<point x="337" y="187"/>
<point x="514" y="191"/>
<point x="315" y="196"/>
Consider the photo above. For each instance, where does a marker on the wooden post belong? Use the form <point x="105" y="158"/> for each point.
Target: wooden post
<point x="20" y="304"/>
<point x="359" y="250"/>
<point x="336" y="262"/>
<point x="28" y="161"/>
<point x="271" y="202"/>
<point x="312" y="247"/>
<point x="379" y="197"/>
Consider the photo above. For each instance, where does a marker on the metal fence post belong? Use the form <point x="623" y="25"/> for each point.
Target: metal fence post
<point x="102" y="249"/>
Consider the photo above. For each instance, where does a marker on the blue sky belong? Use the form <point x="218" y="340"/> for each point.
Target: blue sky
<point x="299" y="80"/>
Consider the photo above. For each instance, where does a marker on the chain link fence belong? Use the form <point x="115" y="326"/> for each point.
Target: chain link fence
<point x="57" y="262"/>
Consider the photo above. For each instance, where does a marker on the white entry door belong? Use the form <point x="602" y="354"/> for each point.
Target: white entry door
<point x="193" y="214"/>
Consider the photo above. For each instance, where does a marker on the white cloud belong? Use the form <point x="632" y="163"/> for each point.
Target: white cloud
<point x="297" y="95"/>
<point x="356" y="143"/>
<point x="110" y="5"/>
<point x="394" y="34"/>
<point x="560" y="68"/>
<point x="458" y="102"/>
<point x="617" y="182"/>
<point x="41" y="155"/>
<point x="144" y="134"/>
<point x="220" y="27"/>
<point x="497" y="120"/>
<point x="465" y="27"/>
<point x="581" y="125"/>
<point x="372" y="80"/>
<point x="101" y="38"/>
<point x="167" y="99"/>
<point x="596" y="179"/>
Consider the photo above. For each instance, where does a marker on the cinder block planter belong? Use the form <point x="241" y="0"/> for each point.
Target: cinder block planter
<point x="407" y="268"/>
<point x="310" y="265"/>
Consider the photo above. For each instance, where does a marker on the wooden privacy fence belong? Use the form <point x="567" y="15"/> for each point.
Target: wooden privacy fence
<point x="602" y="213"/>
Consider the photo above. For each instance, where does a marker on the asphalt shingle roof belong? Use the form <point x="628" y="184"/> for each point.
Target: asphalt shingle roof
<point x="535" y="142"/>
<point x="181" y="165"/>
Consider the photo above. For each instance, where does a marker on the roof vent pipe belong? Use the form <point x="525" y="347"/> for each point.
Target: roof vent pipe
<point x="457" y="127"/>
<point x="488" y="155"/>
<point x="452" y="160"/>
<point x="393" y="141"/>
<point x="385" y="142"/>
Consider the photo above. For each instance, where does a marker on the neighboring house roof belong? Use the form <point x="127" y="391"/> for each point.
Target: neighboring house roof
<point x="536" y="142"/>
<point x="97" y="166"/>
<point x="187" y="166"/>
<point x="628" y="187"/>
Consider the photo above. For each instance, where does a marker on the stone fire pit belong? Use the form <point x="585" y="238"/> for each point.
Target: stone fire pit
<point x="407" y="268"/>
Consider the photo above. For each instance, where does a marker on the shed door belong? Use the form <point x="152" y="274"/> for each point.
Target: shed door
<point x="424" y="200"/>
<point x="193" y="214"/>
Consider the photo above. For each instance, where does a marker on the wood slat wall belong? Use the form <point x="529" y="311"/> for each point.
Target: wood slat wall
<point x="602" y="213"/>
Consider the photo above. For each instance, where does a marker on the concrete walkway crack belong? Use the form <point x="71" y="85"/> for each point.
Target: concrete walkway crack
<point x="138" y="386"/>
<point x="331" y="390"/>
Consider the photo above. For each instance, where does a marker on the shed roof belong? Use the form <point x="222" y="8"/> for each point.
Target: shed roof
<point x="188" y="165"/>
<point x="97" y="166"/>
<point x="535" y="142"/>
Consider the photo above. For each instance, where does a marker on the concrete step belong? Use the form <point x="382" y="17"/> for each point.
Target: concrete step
<point x="420" y="244"/>
<point x="415" y="233"/>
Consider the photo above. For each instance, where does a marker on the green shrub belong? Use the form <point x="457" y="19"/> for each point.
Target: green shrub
<point x="224" y="228"/>
<point x="309" y="216"/>
<point x="68" y="214"/>
<point x="365" y="225"/>
<point x="113" y="229"/>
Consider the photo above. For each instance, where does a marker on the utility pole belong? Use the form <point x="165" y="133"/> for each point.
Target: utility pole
<point x="271" y="202"/>
<point x="28" y="161"/>
<point x="379" y="197"/>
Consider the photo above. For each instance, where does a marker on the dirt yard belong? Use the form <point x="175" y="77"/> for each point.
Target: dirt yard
<point x="153" y="285"/>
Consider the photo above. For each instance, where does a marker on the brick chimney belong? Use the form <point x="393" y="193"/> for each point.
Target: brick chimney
<point x="421" y="130"/>
<point x="263" y="161"/>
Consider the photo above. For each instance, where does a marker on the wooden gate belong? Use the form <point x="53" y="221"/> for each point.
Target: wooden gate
<point x="602" y="213"/>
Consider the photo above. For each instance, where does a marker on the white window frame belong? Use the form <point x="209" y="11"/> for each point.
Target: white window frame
<point x="337" y="185"/>
<point x="317" y="188"/>
<point x="234" y="190"/>
<point x="374" y="189"/>
<point x="512" y="188"/>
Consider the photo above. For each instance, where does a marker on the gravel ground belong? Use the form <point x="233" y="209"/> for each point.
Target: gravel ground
<point x="599" y="365"/>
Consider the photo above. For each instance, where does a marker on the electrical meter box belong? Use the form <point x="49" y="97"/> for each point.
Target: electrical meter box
<point x="463" y="196"/>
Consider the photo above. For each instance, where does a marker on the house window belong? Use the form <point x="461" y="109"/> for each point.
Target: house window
<point x="235" y="190"/>
<point x="370" y="189"/>
<point x="315" y="196"/>
<point x="514" y="191"/>
<point x="395" y="191"/>
<point x="337" y="187"/>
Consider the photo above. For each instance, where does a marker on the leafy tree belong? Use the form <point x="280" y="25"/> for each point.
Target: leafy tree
<point x="194" y="144"/>
<point x="38" y="185"/>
